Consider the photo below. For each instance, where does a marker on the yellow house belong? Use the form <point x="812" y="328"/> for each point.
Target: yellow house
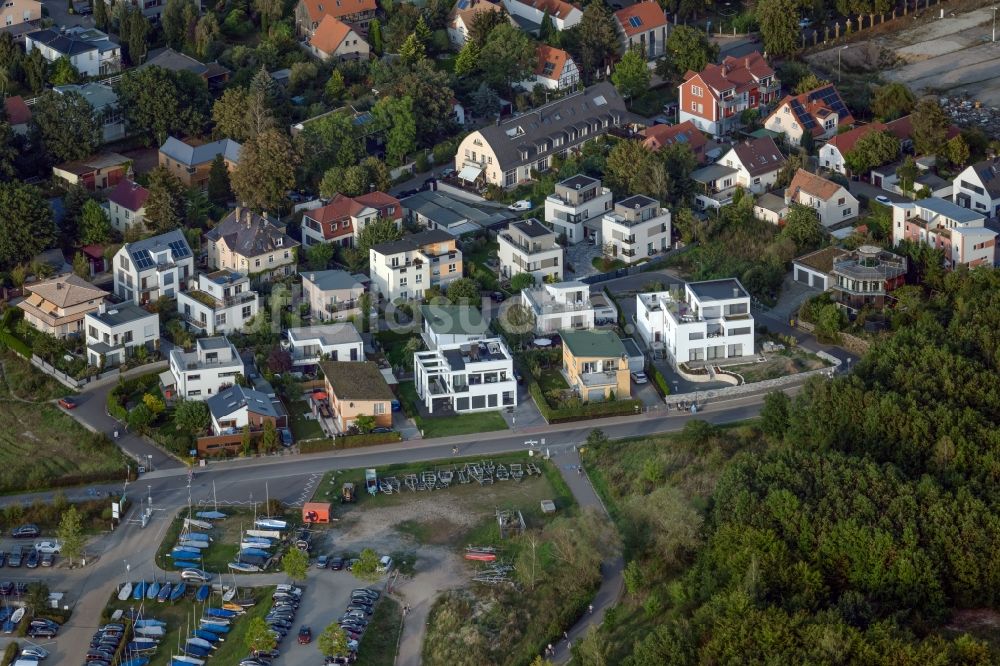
<point x="248" y="243"/>
<point x="596" y="365"/>
<point x="357" y="388"/>
<point x="58" y="306"/>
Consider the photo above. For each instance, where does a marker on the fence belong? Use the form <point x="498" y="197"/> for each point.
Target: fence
<point x="101" y="378"/>
<point x="757" y="387"/>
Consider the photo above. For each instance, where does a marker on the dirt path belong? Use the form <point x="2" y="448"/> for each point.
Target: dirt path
<point x="440" y="570"/>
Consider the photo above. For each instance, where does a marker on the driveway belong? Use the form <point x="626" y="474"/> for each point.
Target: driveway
<point x="646" y="393"/>
<point x="858" y="187"/>
<point x="57" y="11"/>
<point x="581" y="258"/>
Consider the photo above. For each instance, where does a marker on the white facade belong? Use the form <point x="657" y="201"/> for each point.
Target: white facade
<point x="335" y="342"/>
<point x="978" y="188"/>
<point x="831" y="201"/>
<point x="90" y="51"/>
<point x="529" y="246"/>
<point x="210" y="368"/>
<point x="123" y="219"/>
<point x="961" y="233"/>
<point x="407" y="267"/>
<point x="711" y="323"/>
<point x="560" y="306"/>
<point x="218" y="303"/>
<point x="466" y="378"/>
<point x="564" y="17"/>
<point x="332" y="295"/>
<point x="576" y="201"/>
<point x="636" y="229"/>
<point x="830" y="158"/>
<point x="754" y="180"/>
<point x="152" y="268"/>
<point x="114" y="332"/>
<point x="452" y="325"/>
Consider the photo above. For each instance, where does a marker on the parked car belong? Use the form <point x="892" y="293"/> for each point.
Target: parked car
<point x="15" y="559"/>
<point x="322" y="561"/>
<point x="337" y="563"/>
<point x="3" y="558"/>
<point x="305" y="636"/>
<point x="48" y="559"/>
<point x="26" y="532"/>
<point x="196" y="575"/>
<point x="48" y="546"/>
<point x="69" y="402"/>
<point x="384" y="564"/>
<point x="521" y="205"/>
<point x="35" y="651"/>
<point x="639" y="377"/>
<point x="447" y="173"/>
<point x="6" y="588"/>
<point x="42" y="632"/>
<point x="381" y="429"/>
<point x="884" y="200"/>
<point x="31" y="561"/>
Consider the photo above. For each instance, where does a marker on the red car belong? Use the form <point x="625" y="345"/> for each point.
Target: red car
<point x="305" y="636"/>
<point x="69" y="402"/>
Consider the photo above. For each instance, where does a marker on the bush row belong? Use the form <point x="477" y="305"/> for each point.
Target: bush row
<point x="10" y="654"/>
<point x="587" y="410"/>
<point x="349" y="442"/>
<point x="659" y="381"/>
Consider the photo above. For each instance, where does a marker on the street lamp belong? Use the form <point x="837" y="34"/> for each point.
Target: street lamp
<point x="994" y="24"/>
<point x="839" y="51"/>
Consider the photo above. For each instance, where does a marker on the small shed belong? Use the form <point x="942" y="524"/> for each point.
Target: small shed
<point x="316" y="512"/>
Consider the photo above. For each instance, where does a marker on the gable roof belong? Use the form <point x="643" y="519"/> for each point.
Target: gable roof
<point x="356" y="380"/>
<point x="141" y="252"/>
<point x="811" y="184"/>
<point x="190" y="155"/>
<point x="237" y="397"/>
<point x="18" y="113"/>
<point x="660" y="136"/>
<point x="330" y="34"/>
<point x="540" y="126"/>
<point x="641" y="17"/>
<point x="248" y="234"/>
<point x="129" y="195"/>
<point x="172" y="60"/>
<point x="556" y="8"/>
<point x="413" y="241"/>
<point x="739" y="73"/>
<point x="593" y="344"/>
<point x="551" y="62"/>
<point x="468" y="9"/>
<point x="65" y="291"/>
<point x="342" y="208"/>
<point x="759" y="156"/>
<point x="812" y="108"/>
<point x="989" y="175"/>
<point x="317" y="9"/>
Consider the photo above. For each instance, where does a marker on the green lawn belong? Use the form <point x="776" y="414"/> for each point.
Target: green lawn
<point x="394" y="345"/>
<point x="378" y="645"/>
<point x="606" y="265"/>
<point x="445" y="426"/>
<point x="302" y="427"/>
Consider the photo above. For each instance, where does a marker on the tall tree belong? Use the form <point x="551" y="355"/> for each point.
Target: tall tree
<point x="26" y="226"/>
<point x="803" y="227"/>
<point x="63" y="72"/>
<point x="892" y="100"/>
<point x="396" y="114"/>
<point x="192" y="416"/>
<point x="483" y="24"/>
<point x="70" y="534"/>
<point x="382" y="230"/>
<point x="174" y="21"/>
<point x="157" y="102"/>
<point x="508" y="57"/>
<point x="412" y="51"/>
<point x="689" y="49"/>
<point x="8" y="151"/>
<point x="595" y="40"/>
<point x="428" y="87"/>
<point x="375" y="36"/>
<point x="95" y="227"/>
<point x="219" y="190"/>
<point x="165" y="206"/>
<point x="779" y="26"/>
<point x="134" y="30"/>
<point x="64" y="126"/>
<point x="295" y="563"/>
<point x="206" y="33"/>
<point x="266" y="171"/>
<point x="930" y="126"/>
<point x="467" y="60"/>
<point x="485" y="102"/>
<point x="808" y="83"/>
<point x="100" y="14"/>
<point x="872" y="150"/>
<point x="631" y="75"/>
<point x="259" y="637"/>
<point x="333" y="641"/>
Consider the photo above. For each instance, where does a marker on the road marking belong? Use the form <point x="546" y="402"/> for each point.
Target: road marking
<point x="307" y="489"/>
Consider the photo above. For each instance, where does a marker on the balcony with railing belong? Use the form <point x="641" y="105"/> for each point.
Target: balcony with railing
<point x="341" y="306"/>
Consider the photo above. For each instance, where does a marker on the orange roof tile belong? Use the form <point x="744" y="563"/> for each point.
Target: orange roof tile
<point x="647" y="15"/>
<point x="332" y="216"/>
<point x="471" y="10"/>
<point x="317" y="9"/>
<point x="550" y="62"/>
<point x="659" y="136"/>
<point x="555" y="8"/>
<point x="812" y="184"/>
<point x="330" y="33"/>
<point x="18" y="112"/>
<point x="740" y="73"/>
<point x="818" y="104"/>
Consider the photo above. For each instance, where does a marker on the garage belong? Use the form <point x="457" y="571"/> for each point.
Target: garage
<point x="814" y="269"/>
<point x="595" y="395"/>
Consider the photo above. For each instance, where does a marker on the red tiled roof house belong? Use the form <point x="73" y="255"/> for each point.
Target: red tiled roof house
<point x="344" y="217"/>
<point x="714" y="98"/>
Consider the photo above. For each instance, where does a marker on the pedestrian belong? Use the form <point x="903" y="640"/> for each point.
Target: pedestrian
<point x="569" y="646"/>
<point x="551" y="650"/>
<point x="590" y="608"/>
<point x="566" y="635"/>
<point x="454" y="450"/>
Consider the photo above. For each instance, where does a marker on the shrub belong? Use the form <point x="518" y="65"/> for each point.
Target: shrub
<point x="349" y="441"/>
<point x="659" y="381"/>
<point x="583" y="410"/>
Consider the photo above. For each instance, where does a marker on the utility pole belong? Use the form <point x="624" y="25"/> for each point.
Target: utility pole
<point x="839" y="51"/>
<point x="994" y="24"/>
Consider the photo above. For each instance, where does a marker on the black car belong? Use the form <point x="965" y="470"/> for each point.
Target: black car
<point x="381" y="429"/>
<point x="48" y="559"/>
<point x="42" y="632"/>
<point x="336" y="563"/>
<point x="6" y="588"/>
<point x="14" y="560"/>
<point x="31" y="561"/>
<point x="26" y="532"/>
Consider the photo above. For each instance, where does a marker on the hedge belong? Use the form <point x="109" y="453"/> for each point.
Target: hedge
<point x="11" y="653"/>
<point x="587" y="410"/>
<point x="349" y="442"/>
<point x="125" y="388"/>
<point x="14" y="344"/>
<point x="659" y="381"/>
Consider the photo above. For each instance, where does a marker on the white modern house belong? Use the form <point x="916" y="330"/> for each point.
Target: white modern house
<point x="114" y="332"/>
<point x="237" y="407"/>
<point x="961" y="233"/>
<point x="575" y="202"/>
<point x="152" y="268"/>
<point x="452" y="325"/>
<point x="636" y="229"/>
<point x="462" y="378"/>
<point x="559" y="306"/>
<point x="198" y="375"/>
<point x="709" y="322"/>
<point x="309" y="345"/>
<point x="528" y="246"/>
<point x="218" y="303"/>
<point x="89" y="50"/>
<point x="405" y="268"/>
<point x="333" y="295"/>
<point x="978" y="187"/>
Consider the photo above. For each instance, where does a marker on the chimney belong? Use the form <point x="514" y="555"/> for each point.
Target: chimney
<point x="747" y="62"/>
<point x="736" y="292"/>
<point x="238" y="213"/>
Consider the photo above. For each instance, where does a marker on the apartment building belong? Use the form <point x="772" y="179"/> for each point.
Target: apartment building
<point x="405" y="268"/>
<point x="343" y="218"/>
<point x="218" y="303"/>
<point x="559" y="306"/>
<point x="714" y="98"/>
<point x="115" y="332"/>
<point x="709" y="322"/>
<point x="126" y="206"/>
<point x="637" y="228"/>
<point x="960" y="233"/>
<point x="644" y="26"/>
<point x="309" y="345"/>
<point x="251" y="244"/>
<point x="577" y="201"/>
<point x="58" y="306"/>
<point x="333" y="295"/>
<point x="595" y="364"/>
<point x="192" y="163"/>
<point x="528" y="246"/>
<point x="154" y="267"/>
<point x="208" y="370"/>
<point x="462" y="378"/>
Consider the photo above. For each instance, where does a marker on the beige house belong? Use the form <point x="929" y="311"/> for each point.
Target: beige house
<point x="15" y="12"/>
<point x="596" y="365"/>
<point x="251" y="244"/>
<point x="336" y="40"/>
<point x="193" y="163"/>
<point x="332" y="295"/>
<point x="59" y="306"/>
<point x="357" y="389"/>
<point x="833" y="203"/>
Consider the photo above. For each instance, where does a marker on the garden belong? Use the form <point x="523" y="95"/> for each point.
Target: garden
<point x="556" y="401"/>
<point x="450" y="424"/>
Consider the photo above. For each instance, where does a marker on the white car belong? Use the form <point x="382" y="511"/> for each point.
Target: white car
<point x="384" y="564"/>
<point x="289" y="589"/>
<point x="48" y="547"/>
<point x="884" y="200"/>
<point x="196" y="575"/>
<point x="521" y="205"/>
<point x="639" y="377"/>
<point x="34" y="651"/>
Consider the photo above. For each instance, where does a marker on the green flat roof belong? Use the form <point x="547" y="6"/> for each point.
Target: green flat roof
<point x="593" y="344"/>
<point x="356" y="380"/>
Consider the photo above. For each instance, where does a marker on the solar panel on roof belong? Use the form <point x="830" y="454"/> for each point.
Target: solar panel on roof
<point x="635" y="21"/>
<point x="143" y="260"/>
<point x="179" y="248"/>
<point x="463" y="4"/>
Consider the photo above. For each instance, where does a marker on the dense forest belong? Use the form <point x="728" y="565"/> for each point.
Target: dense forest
<point x="849" y="525"/>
